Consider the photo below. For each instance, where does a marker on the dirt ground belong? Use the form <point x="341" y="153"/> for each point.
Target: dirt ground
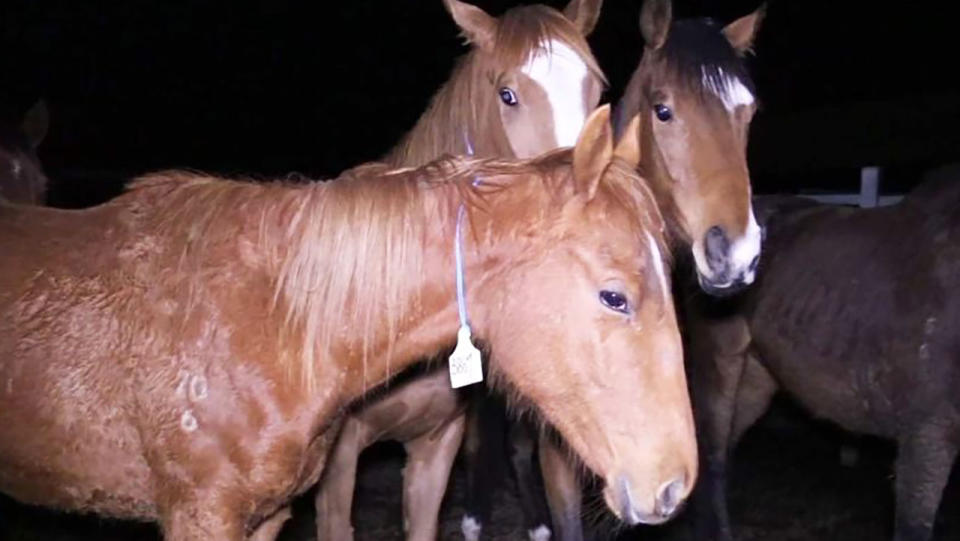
<point x="788" y="484"/>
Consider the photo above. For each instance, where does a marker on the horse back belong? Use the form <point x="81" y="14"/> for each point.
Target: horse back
<point x="128" y="367"/>
<point x="855" y="313"/>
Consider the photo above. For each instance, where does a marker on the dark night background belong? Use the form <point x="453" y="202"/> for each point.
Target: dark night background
<point x="268" y="87"/>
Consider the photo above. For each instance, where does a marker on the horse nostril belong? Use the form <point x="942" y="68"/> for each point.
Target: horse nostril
<point x="670" y="497"/>
<point x="754" y="263"/>
<point x="716" y="248"/>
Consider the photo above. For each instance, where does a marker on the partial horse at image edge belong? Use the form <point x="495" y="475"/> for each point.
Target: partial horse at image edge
<point x="22" y="179"/>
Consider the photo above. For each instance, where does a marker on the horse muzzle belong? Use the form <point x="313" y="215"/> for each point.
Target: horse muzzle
<point x="669" y="499"/>
<point x="731" y="265"/>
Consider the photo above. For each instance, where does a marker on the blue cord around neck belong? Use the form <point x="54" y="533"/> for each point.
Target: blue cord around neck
<point x="458" y="250"/>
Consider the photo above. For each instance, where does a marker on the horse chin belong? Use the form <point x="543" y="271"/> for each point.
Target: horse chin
<point x="722" y="289"/>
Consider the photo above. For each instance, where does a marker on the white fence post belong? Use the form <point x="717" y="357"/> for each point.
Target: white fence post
<point x="869" y="186"/>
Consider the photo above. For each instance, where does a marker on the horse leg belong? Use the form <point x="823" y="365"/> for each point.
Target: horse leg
<point x="563" y="490"/>
<point x="754" y="394"/>
<point x="924" y="460"/>
<point x="522" y="447"/>
<point x="429" y="460"/>
<point x="483" y="452"/>
<point x="270" y="528"/>
<point x="730" y="391"/>
<point x="713" y="380"/>
<point x="334" y="498"/>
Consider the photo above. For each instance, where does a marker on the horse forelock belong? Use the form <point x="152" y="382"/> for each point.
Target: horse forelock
<point x="698" y="57"/>
<point x="525" y="32"/>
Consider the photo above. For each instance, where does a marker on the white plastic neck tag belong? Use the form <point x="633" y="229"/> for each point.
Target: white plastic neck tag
<point x="466" y="365"/>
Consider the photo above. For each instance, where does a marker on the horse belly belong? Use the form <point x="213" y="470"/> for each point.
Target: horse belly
<point x="828" y="375"/>
<point x="74" y="458"/>
<point x="414" y="408"/>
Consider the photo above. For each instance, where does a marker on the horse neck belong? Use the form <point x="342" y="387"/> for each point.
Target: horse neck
<point x="457" y="113"/>
<point x="382" y="312"/>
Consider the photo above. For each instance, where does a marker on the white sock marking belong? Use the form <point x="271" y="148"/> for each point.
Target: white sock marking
<point x="471" y="528"/>
<point x="541" y="533"/>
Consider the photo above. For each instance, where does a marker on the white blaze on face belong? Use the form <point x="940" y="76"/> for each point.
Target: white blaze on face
<point x="657" y="257"/>
<point x="746" y="248"/>
<point x="731" y="91"/>
<point x="470" y="527"/>
<point x="560" y="71"/>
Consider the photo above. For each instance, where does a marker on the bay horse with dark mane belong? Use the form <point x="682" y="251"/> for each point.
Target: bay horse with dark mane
<point x="525" y="87"/>
<point x="22" y="179"/>
<point x="694" y="100"/>
<point x="185" y="352"/>
<point x="855" y="316"/>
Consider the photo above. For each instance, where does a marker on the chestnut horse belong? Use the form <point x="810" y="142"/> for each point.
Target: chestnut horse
<point x="875" y="352"/>
<point x="184" y="353"/>
<point x="695" y="101"/>
<point x="525" y="87"/>
<point x="22" y="179"/>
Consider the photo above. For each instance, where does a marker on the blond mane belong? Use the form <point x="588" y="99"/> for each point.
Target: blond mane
<point x="348" y="254"/>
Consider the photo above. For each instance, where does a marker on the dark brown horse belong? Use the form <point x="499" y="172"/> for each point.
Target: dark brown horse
<point x="694" y="100"/>
<point x="855" y="315"/>
<point x="22" y="179"/>
<point x="185" y="353"/>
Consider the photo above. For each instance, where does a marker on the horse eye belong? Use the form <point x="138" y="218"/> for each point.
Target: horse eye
<point x="508" y="96"/>
<point x="664" y="113"/>
<point x="614" y="301"/>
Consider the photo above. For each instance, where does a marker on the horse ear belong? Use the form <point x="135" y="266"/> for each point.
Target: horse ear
<point x="35" y="123"/>
<point x="628" y="147"/>
<point x="593" y="152"/>
<point x="584" y="14"/>
<point x="475" y="24"/>
<point x="741" y="32"/>
<point x="655" y="19"/>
